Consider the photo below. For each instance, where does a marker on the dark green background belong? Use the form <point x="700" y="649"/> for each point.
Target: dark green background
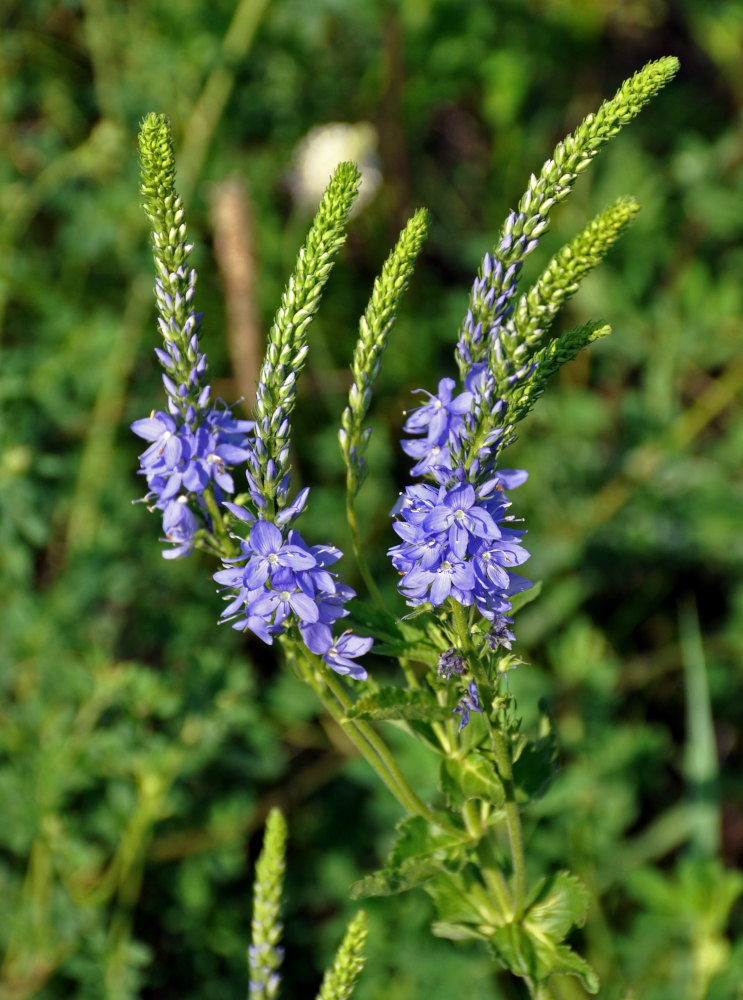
<point x="132" y="728"/>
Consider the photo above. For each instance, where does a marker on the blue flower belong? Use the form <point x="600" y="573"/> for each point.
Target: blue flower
<point x="457" y="540"/>
<point x="338" y="653"/>
<point x="442" y="416"/>
<point x="179" y="526"/>
<point x="269" y="552"/>
<point x="468" y="703"/>
<point x="280" y="581"/>
<point x="283" y="598"/>
<point x="457" y="513"/>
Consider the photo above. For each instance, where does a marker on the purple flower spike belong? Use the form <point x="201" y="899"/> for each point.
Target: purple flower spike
<point x="276" y="582"/>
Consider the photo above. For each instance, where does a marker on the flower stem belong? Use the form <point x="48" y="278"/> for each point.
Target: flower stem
<point x="503" y="761"/>
<point x="362" y="735"/>
<point x="494" y="878"/>
<point x="513" y="822"/>
<point x="413" y="803"/>
<point x="357" y="549"/>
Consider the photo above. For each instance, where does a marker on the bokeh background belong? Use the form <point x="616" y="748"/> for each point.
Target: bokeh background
<point x="140" y="744"/>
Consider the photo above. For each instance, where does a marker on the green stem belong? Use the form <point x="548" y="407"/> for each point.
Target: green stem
<point x="409" y="675"/>
<point x="306" y="670"/>
<point x="503" y="761"/>
<point x="357" y="549"/>
<point x="545" y="991"/>
<point x="413" y="802"/>
<point x="461" y="624"/>
<point x="364" y="738"/>
<point x="490" y="870"/>
<point x="513" y="822"/>
<point x="494" y="878"/>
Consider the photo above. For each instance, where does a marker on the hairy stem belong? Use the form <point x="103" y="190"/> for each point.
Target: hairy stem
<point x="513" y="822"/>
<point x="362" y="735"/>
<point x="503" y="760"/>
<point x="413" y="803"/>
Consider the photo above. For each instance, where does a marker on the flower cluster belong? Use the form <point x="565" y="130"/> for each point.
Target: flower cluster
<point x="458" y="541"/>
<point x="194" y="444"/>
<point x="278" y="581"/>
<point x="456" y="537"/>
<point x="192" y="447"/>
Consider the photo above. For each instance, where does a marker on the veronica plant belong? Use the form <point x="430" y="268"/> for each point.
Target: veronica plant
<point x="458" y="540"/>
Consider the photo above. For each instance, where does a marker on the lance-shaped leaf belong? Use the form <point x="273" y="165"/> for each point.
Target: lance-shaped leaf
<point x="535" y="959"/>
<point x="400" y="703"/>
<point x="414" y="638"/>
<point x="464" y="907"/>
<point x="524" y="597"/>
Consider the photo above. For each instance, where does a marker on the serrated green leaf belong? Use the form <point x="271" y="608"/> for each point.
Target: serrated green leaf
<point x="565" y="962"/>
<point x="391" y="881"/>
<point x="420" y="839"/>
<point x="536" y="959"/>
<point x="408" y="650"/>
<point x="373" y="619"/>
<point x="399" y="703"/>
<point x="460" y="898"/>
<point x="513" y="948"/>
<point x="533" y="949"/>
<point x="557" y="904"/>
<point x="420" y="852"/>
<point x="473" y="777"/>
<point x="406" y="638"/>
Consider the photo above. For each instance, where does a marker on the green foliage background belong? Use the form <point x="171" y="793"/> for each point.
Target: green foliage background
<point x="140" y="745"/>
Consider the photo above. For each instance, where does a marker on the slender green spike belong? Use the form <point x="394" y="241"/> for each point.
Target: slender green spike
<point x="157" y="163"/>
<point x="264" y="954"/>
<point x="374" y="328"/>
<point x="492" y="291"/>
<point x="548" y="361"/>
<point x="287" y="340"/>
<point x="339" y="982"/>
<point x="560" y="279"/>
<point x="176" y="280"/>
<point x="575" y="153"/>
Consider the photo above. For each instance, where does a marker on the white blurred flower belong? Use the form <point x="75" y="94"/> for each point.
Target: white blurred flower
<point x="322" y="149"/>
